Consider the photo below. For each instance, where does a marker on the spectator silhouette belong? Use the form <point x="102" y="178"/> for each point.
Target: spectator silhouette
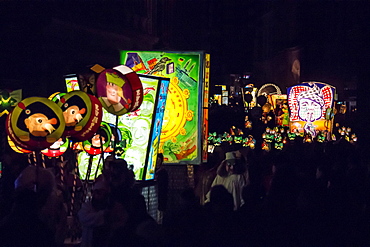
<point x="222" y="227"/>
<point x="93" y="216"/>
<point x="23" y="226"/>
<point x="161" y="176"/>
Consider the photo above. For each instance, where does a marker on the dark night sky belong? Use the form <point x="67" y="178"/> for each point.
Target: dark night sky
<point x="332" y="35"/>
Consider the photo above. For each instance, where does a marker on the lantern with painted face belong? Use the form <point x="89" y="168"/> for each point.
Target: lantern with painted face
<point x="100" y="141"/>
<point x="82" y="114"/>
<point x="119" y="90"/>
<point x="57" y="149"/>
<point x="35" y="123"/>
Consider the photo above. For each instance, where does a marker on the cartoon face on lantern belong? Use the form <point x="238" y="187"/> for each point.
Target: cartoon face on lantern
<point x="114" y="93"/>
<point x="39" y="125"/>
<point x="35" y="123"/>
<point x="57" y="144"/>
<point x="73" y="115"/>
<point x="140" y="131"/>
<point x="310" y="105"/>
<point x="95" y="141"/>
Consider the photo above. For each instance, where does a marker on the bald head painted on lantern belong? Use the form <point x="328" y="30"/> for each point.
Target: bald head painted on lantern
<point x="310" y="104"/>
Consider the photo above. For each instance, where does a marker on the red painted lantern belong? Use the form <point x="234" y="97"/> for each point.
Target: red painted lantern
<point x="119" y="90"/>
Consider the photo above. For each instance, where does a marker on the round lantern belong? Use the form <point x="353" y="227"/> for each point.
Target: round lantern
<point x="100" y="141"/>
<point x="57" y="149"/>
<point x="17" y="148"/>
<point x="56" y="97"/>
<point x="35" y="123"/>
<point x="82" y="115"/>
<point x="119" y="90"/>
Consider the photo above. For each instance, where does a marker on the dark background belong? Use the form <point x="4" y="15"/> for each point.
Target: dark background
<point x="42" y="41"/>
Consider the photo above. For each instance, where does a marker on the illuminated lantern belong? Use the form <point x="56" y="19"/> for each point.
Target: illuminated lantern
<point x="57" y="149"/>
<point x="266" y="108"/>
<point x="248" y="124"/>
<point x="116" y="138"/>
<point x="266" y="146"/>
<point x="342" y="131"/>
<point x="82" y="114"/>
<point x="119" y="90"/>
<point x="291" y="135"/>
<point x="35" y="123"/>
<point x="278" y="137"/>
<point x="211" y="137"/>
<point x="8" y="100"/>
<point x="308" y="104"/>
<point x="307" y="138"/>
<point x="100" y="140"/>
<point x="238" y="139"/>
<point x="279" y="145"/>
<point x="229" y="139"/>
<point x="218" y="141"/>
<point x="77" y="146"/>
<point x="56" y="97"/>
<point x="321" y="137"/>
<point x="17" y="148"/>
<point x="251" y="143"/>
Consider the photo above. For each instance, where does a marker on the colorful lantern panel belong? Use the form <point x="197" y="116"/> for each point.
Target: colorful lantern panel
<point x="184" y="120"/>
<point x="35" y="123"/>
<point x="140" y="130"/>
<point x="308" y="103"/>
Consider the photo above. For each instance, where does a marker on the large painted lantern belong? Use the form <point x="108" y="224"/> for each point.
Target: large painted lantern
<point x="308" y="104"/>
<point x="184" y="133"/>
<point x="35" y="123"/>
<point x="138" y="137"/>
<point x="119" y="90"/>
<point x="82" y="113"/>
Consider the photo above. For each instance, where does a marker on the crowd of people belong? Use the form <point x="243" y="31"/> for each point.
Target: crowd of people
<point x="310" y="194"/>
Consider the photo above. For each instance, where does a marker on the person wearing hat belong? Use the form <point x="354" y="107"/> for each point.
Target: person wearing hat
<point x="233" y="175"/>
